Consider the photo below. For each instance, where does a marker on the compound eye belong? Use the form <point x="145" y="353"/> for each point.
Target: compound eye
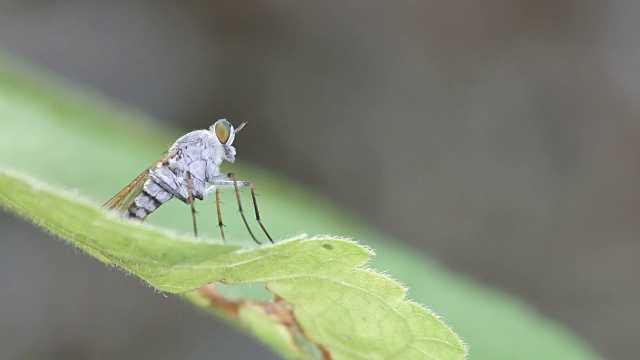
<point x="223" y="131"/>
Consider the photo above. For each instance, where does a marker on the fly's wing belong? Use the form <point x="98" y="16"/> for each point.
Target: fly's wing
<point x="122" y="200"/>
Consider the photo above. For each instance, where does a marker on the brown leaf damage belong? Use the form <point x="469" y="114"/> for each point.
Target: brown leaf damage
<point x="278" y="310"/>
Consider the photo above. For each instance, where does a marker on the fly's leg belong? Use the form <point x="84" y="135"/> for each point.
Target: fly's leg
<point x="220" y="224"/>
<point x="255" y="207"/>
<point x="236" y="184"/>
<point x="193" y="207"/>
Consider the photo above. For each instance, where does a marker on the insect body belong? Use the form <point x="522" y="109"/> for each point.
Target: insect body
<point x="191" y="163"/>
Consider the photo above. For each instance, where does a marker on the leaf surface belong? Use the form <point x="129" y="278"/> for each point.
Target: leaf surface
<point x="348" y="311"/>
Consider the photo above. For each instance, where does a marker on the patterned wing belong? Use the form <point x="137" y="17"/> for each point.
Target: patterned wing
<point x="123" y="199"/>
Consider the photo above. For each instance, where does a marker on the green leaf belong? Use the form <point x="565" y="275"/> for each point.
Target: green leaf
<point x="76" y="140"/>
<point x="347" y="311"/>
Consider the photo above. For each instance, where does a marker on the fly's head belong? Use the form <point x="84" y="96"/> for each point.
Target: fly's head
<point x="225" y="134"/>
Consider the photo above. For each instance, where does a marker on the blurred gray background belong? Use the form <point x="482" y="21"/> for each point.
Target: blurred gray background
<point x="500" y="136"/>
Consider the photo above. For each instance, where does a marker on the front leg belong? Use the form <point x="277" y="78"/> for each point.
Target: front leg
<point x="213" y="180"/>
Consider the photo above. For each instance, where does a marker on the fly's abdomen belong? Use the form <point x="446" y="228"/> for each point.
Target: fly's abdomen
<point x="149" y="199"/>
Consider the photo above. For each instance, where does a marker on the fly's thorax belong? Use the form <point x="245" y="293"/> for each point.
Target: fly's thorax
<point x="198" y="145"/>
<point x="200" y="153"/>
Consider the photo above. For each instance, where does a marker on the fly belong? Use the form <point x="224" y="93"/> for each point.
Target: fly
<point x="191" y="163"/>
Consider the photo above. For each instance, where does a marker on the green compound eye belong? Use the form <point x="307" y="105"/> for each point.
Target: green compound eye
<point x="223" y="131"/>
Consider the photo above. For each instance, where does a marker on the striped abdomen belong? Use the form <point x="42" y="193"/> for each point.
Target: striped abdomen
<point x="149" y="199"/>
